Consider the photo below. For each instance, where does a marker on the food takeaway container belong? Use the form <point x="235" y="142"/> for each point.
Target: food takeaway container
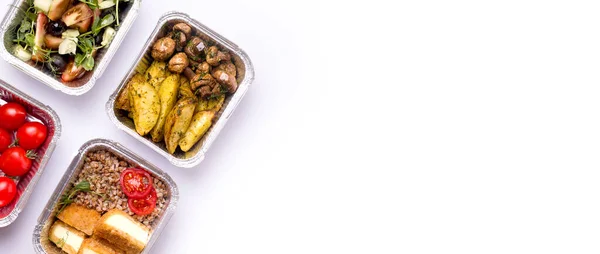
<point x="41" y="242"/>
<point x="36" y="111"/>
<point x="245" y="77"/>
<point x="12" y="21"/>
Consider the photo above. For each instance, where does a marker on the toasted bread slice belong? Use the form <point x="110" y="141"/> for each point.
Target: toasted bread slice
<point x="65" y="237"/>
<point x="79" y="217"/>
<point x="98" y="246"/>
<point x="122" y="230"/>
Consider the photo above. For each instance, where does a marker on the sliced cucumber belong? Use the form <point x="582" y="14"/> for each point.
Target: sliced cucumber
<point x="42" y="5"/>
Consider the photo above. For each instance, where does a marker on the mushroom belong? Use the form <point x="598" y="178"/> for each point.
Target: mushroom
<point x="178" y="62"/>
<point x="194" y="48"/>
<point x="227" y="80"/>
<point x="180" y="39"/>
<point x="228" y="67"/>
<point x="203" y="68"/>
<point x="214" y="56"/>
<point x="163" y="49"/>
<point x="203" y="83"/>
<point x="193" y="64"/>
<point x="184" y="28"/>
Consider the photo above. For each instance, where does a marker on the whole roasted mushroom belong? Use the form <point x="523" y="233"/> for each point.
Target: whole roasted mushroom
<point x="204" y="67"/>
<point x="227" y="80"/>
<point x="203" y="83"/>
<point x="194" y="48"/>
<point x="225" y="74"/>
<point x="178" y="62"/>
<point x="214" y="56"/>
<point x="180" y="40"/>
<point x="184" y="28"/>
<point x="163" y="49"/>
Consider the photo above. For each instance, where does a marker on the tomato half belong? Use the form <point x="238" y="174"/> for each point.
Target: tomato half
<point x="12" y="116"/>
<point x="136" y="183"/>
<point x="5" y="140"/>
<point x="8" y="191"/>
<point x="31" y="135"/>
<point x="15" y="161"/>
<point x="72" y="72"/>
<point x="143" y="206"/>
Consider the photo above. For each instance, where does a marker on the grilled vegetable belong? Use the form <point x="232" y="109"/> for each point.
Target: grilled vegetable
<point x="58" y="8"/>
<point x="52" y="42"/>
<point x="72" y="72"/>
<point x="79" y="16"/>
<point x="40" y="32"/>
<point x="178" y="121"/>
<point x="168" y="96"/>
<point x="145" y="105"/>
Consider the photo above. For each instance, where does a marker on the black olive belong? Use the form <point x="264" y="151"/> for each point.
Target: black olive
<point x="107" y="11"/>
<point x="57" y="63"/>
<point x="56" y="28"/>
<point x="99" y="38"/>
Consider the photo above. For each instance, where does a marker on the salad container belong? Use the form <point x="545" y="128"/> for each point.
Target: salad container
<point x="40" y="235"/>
<point x="11" y="23"/>
<point x="245" y="77"/>
<point x="40" y="113"/>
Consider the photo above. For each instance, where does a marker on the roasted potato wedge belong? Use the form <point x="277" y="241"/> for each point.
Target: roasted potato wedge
<point x="145" y="105"/>
<point x="123" y="98"/>
<point x="156" y="74"/>
<point x="213" y="104"/>
<point x="201" y="122"/>
<point x="168" y="96"/>
<point x="184" y="88"/>
<point x="178" y="121"/>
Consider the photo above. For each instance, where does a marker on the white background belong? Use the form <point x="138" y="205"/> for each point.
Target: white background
<point x="412" y="127"/>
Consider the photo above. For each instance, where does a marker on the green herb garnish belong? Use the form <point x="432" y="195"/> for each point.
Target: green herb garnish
<point x="63" y="240"/>
<point x="67" y="199"/>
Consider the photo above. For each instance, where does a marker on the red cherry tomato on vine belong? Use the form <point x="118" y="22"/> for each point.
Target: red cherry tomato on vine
<point x="5" y="140"/>
<point x="15" y="161"/>
<point x="12" y="116"/>
<point x="31" y="135"/>
<point x="8" y="191"/>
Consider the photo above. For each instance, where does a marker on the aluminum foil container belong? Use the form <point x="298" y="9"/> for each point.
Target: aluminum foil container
<point x="37" y="112"/>
<point x="245" y="77"/>
<point x="42" y="244"/>
<point x="12" y="21"/>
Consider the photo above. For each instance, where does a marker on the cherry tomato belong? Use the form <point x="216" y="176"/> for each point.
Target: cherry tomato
<point x="12" y="116"/>
<point x="143" y="206"/>
<point x="8" y="191"/>
<point x="31" y="135"/>
<point x="5" y="140"/>
<point x="136" y="183"/>
<point x="15" y="161"/>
